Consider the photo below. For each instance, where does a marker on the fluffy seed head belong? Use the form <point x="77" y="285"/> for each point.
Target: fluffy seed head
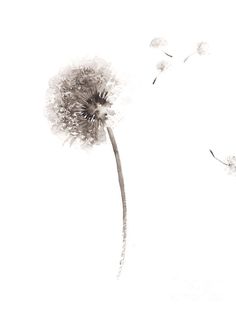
<point x="162" y="66"/>
<point x="231" y="161"/>
<point x="80" y="100"/>
<point x="202" y="48"/>
<point x="158" y="42"/>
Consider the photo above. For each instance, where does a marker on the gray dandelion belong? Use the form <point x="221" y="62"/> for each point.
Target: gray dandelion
<point x="201" y="49"/>
<point x="80" y="101"/>
<point x="230" y="163"/>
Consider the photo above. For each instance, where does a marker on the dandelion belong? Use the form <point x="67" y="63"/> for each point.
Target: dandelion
<point x="201" y="49"/>
<point x="159" y="43"/>
<point x="161" y="67"/>
<point x="80" y="101"/>
<point x="230" y="163"/>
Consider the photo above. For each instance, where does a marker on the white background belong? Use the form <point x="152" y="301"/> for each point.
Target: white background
<point x="60" y="210"/>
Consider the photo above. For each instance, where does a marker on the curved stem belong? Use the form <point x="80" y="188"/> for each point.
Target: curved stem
<point x="217" y="158"/>
<point x="189" y="56"/>
<point x="123" y="197"/>
<point x="169" y="55"/>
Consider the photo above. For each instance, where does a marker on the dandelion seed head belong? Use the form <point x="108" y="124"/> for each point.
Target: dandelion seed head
<point x="80" y="100"/>
<point x="202" y="48"/>
<point x="231" y="161"/>
<point x="158" y="42"/>
<point x="162" y="66"/>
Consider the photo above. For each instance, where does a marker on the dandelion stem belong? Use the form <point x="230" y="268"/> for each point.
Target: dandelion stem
<point x="169" y="55"/>
<point x="123" y="197"/>
<point x="156" y="77"/>
<point x="189" y="56"/>
<point x="217" y="158"/>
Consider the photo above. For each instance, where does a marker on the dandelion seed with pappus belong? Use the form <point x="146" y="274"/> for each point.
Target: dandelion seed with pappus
<point x="201" y="49"/>
<point x="159" y="43"/>
<point x="161" y="67"/>
<point x="230" y="163"/>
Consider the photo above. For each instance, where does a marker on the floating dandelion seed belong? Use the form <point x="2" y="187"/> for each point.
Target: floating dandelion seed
<point x="230" y="163"/>
<point x="79" y="107"/>
<point x="159" y="43"/>
<point x="161" y="67"/>
<point x="201" y="49"/>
